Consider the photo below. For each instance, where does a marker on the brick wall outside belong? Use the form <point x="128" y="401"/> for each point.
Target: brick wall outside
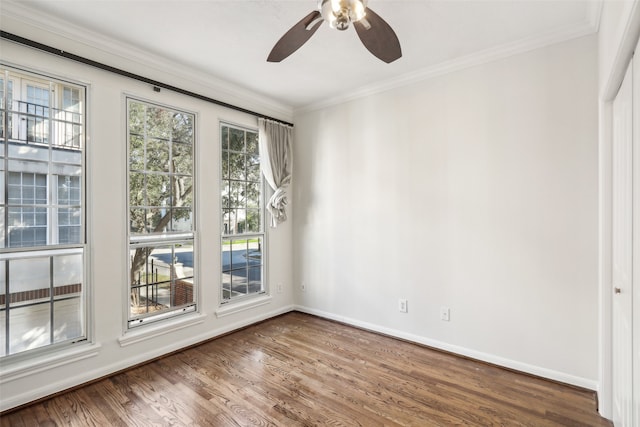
<point x="182" y="293"/>
<point x="36" y="294"/>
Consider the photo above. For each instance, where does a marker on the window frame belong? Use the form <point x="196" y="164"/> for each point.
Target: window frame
<point x="246" y="298"/>
<point x="18" y="77"/>
<point x="135" y="241"/>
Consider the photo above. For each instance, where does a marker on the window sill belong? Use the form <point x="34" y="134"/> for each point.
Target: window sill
<point x="232" y="308"/>
<point x="143" y="333"/>
<point x="18" y="369"/>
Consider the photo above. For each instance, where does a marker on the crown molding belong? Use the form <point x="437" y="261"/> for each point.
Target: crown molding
<point x="594" y="13"/>
<point x="224" y="90"/>
<point x="233" y="93"/>
<point x="588" y="27"/>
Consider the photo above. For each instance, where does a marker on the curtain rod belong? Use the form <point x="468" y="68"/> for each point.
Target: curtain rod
<point x="156" y="84"/>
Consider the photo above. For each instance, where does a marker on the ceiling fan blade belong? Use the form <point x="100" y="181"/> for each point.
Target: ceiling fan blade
<point x="378" y="37"/>
<point x="295" y="37"/>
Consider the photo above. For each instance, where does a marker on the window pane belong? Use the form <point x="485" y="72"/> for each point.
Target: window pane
<point x="158" y="220"/>
<point x="182" y="157"/>
<point x="182" y="131"/>
<point x="236" y="166"/>
<point x="226" y="221"/>
<point x="226" y="195"/>
<point x="27" y="227"/>
<point x="71" y="99"/>
<point x="157" y="155"/>
<point x="158" y="122"/>
<point x="67" y="271"/>
<point x="68" y="190"/>
<point x="29" y="274"/>
<point x="253" y="194"/>
<point x="225" y="164"/>
<point x="224" y="137"/>
<point x="252" y="143"/>
<point x="29" y="327"/>
<point x="253" y="221"/>
<point x="236" y="140"/>
<point x="161" y="278"/>
<point x="182" y="219"/>
<point x="158" y="190"/>
<point x="136" y="189"/>
<point x="136" y="118"/>
<point x="255" y="279"/>
<point x="183" y="191"/>
<point x="137" y="221"/>
<point x="237" y="191"/>
<point x="241" y="267"/>
<point x="226" y="285"/>
<point x="67" y="319"/>
<point x="70" y="234"/>
<point x="136" y="152"/>
<point x="253" y="170"/>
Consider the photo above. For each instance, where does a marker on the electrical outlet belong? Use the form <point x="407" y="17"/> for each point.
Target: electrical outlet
<point x="279" y="288"/>
<point x="303" y="287"/>
<point x="402" y="305"/>
<point x="445" y="313"/>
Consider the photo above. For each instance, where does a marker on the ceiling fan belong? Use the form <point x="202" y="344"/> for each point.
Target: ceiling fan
<point x="376" y="35"/>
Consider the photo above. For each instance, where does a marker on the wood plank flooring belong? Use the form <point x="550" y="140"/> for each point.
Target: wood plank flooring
<point x="300" y="370"/>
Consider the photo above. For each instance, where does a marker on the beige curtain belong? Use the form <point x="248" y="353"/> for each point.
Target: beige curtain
<point x="275" y="141"/>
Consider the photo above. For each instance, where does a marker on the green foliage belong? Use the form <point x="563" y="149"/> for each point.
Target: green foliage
<point x="241" y="180"/>
<point x="161" y="168"/>
<point x="161" y="145"/>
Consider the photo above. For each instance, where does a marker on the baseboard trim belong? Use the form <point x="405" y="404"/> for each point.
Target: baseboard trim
<point x="492" y="359"/>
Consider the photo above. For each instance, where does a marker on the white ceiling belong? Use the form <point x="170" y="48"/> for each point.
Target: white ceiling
<point x="230" y="39"/>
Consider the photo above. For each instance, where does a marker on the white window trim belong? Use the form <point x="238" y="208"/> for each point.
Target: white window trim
<point x="245" y="302"/>
<point x="18" y="365"/>
<point x="252" y="301"/>
<point x="151" y="329"/>
<point x="12" y="371"/>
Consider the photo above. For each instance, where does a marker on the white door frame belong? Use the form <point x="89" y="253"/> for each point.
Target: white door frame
<point x="622" y="58"/>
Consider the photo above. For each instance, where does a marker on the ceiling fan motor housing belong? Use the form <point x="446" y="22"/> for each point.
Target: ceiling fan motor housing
<point x="340" y="13"/>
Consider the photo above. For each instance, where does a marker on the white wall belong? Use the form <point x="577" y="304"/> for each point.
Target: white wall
<point x="21" y="382"/>
<point x="476" y="191"/>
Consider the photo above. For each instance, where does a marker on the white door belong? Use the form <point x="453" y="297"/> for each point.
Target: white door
<point x="622" y="253"/>
<point x="635" y="208"/>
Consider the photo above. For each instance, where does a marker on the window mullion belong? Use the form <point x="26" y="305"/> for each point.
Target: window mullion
<point x="7" y="301"/>
<point x="51" y="302"/>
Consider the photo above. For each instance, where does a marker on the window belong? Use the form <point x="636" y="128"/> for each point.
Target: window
<point x="42" y="236"/>
<point x="242" y="214"/>
<point x="161" y="211"/>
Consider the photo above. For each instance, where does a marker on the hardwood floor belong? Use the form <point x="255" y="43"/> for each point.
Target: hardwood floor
<point x="300" y="370"/>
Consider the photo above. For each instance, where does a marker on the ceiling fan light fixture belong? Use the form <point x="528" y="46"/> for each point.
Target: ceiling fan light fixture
<point x="374" y="32"/>
<point x="357" y="11"/>
<point x="340" y="13"/>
